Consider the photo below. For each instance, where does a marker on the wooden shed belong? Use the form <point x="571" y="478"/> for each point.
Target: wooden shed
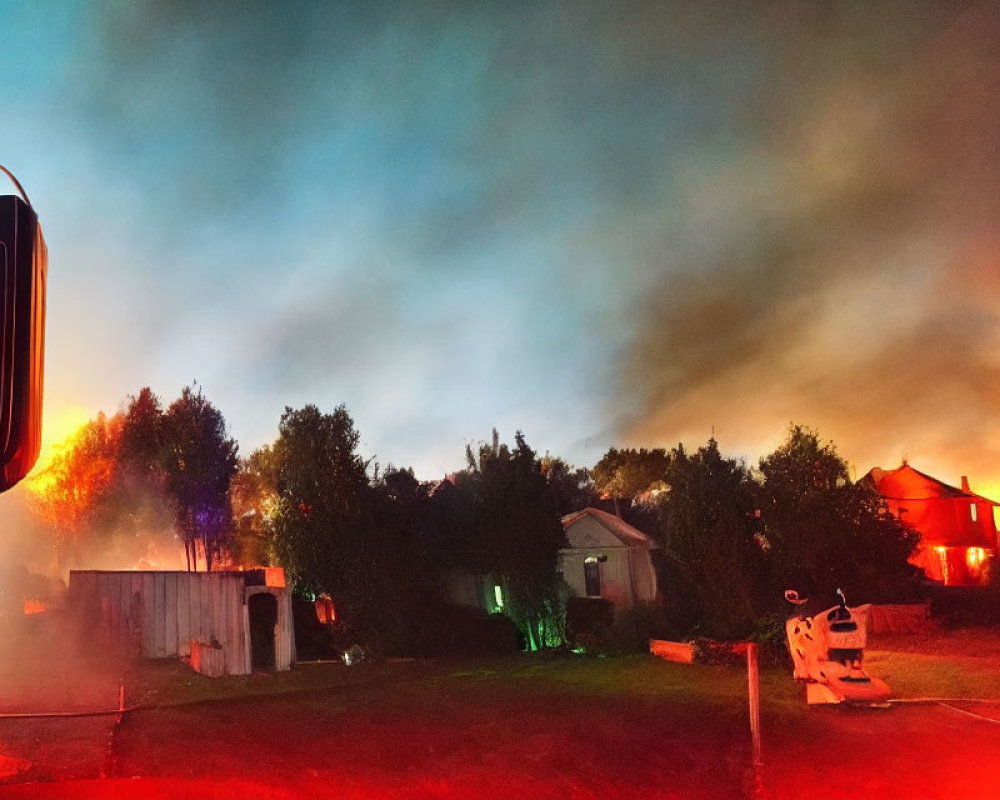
<point x="227" y="622"/>
<point x="607" y="558"/>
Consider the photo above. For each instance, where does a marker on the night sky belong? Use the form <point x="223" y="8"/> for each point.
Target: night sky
<point x="628" y="224"/>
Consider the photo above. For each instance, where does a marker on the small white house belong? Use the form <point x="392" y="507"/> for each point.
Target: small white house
<point x="607" y="558"/>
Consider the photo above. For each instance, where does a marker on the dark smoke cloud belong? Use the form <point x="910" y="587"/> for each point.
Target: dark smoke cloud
<point x="606" y="224"/>
<point x="862" y="298"/>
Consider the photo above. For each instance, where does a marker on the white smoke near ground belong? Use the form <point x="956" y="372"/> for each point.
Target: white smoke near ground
<point x="51" y="661"/>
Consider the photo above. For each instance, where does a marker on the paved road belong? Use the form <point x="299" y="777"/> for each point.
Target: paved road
<point x="927" y="751"/>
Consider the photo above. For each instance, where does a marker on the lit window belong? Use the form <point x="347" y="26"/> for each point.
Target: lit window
<point x="974" y="557"/>
<point x="592" y="576"/>
<point x="973" y="512"/>
<point x="325" y="611"/>
<point x="498" y="597"/>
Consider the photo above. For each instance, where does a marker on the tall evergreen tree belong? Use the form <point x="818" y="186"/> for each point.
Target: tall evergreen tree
<point x="518" y="533"/>
<point x="572" y="488"/>
<point x="321" y="515"/>
<point x="710" y="561"/>
<point x="200" y="460"/>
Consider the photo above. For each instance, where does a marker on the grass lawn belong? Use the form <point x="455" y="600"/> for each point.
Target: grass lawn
<point x="963" y="663"/>
<point x="541" y="726"/>
<point x="538" y="726"/>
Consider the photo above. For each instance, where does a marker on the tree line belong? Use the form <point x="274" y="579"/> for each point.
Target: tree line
<point x="130" y="484"/>
<point x="387" y="546"/>
<point x="733" y="538"/>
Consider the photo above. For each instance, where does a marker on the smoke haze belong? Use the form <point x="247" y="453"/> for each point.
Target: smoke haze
<point x="853" y="281"/>
<point x="602" y="225"/>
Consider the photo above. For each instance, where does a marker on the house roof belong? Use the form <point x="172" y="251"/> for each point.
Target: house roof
<point x="907" y="483"/>
<point x="621" y="530"/>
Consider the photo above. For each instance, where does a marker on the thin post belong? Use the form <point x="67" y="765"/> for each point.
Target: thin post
<point x="753" y="681"/>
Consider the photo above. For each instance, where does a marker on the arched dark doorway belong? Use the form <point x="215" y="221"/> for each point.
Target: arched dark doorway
<point x="262" y="609"/>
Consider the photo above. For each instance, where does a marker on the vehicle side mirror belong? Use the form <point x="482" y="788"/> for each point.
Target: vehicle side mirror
<point x="23" y="272"/>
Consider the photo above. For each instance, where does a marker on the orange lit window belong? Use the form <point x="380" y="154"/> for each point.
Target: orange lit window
<point x="974" y="557"/>
<point x="973" y="512"/>
<point x="325" y="611"/>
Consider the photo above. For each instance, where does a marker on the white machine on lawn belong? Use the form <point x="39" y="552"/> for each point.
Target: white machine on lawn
<point x="828" y="651"/>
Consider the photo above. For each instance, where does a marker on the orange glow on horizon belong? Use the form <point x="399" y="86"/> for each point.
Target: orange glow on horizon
<point x="991" y="491"/>
<point x="58" y="425"/>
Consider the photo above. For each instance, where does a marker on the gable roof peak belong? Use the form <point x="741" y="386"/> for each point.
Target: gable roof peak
<point x="621" y="530"/>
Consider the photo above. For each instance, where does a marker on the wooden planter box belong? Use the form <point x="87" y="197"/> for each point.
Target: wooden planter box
<point x="681" y="652"/>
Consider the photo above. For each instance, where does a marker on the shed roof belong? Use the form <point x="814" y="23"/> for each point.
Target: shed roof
<point x="621" y="530"/>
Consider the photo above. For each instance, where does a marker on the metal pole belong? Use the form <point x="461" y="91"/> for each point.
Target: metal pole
<point x="753" y="681"/>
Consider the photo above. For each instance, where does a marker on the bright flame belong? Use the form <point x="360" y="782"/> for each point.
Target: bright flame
<point x="64" y="486"/>
<point x="34" y="607"/>
<point x="58" y="425"/>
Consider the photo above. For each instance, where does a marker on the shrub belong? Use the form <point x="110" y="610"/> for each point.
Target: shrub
<point x="718" y="654"/>
<point x="958" y="606"/>
<point x="446" y="629"/>
<point x="588" y="617"/>
<point x="313" y="639"/>
<point x="598" y="630"/>
<point x="634" y="627"/>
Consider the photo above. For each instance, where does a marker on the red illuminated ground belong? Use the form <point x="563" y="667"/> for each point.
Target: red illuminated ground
<point x="524" y="728"/>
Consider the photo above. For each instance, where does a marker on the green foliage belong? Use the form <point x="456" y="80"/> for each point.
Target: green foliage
<point x="823" y="532"/>
<point x="443" y="629"/>
<point x="384" y="547"/>
<point x="707" y="533"/>
<point x="253" y="497"/>
<point x="599" y="631"/>
<point x="449" y="525"/>
<point x="769" y="635"/>
<point x="965" y="606"/>
<point x="200" y="460"/>
<point x="628" y="473"/>
<point x="587" y="616"/>
<point x="319" y="517"/>
<point x="517" y="533"/>
<point x="733" y="541"/>
<point x="539" y="612"/>
<point x="572" y="489"/>
<point x="403" y="575"/>
<point x="143" y="437"/>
